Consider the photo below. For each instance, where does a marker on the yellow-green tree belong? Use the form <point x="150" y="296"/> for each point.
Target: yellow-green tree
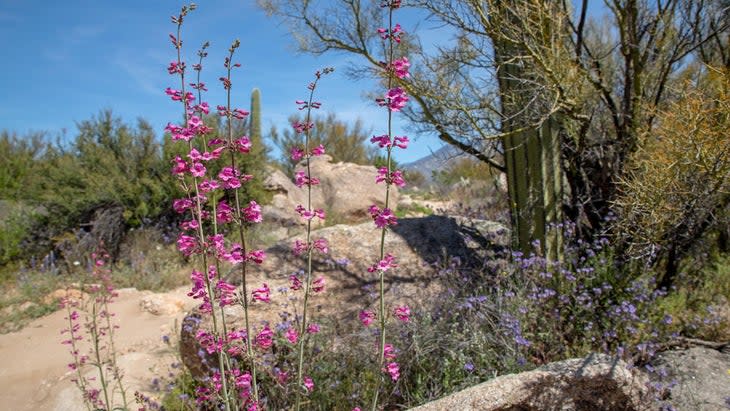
<point x="678" y="187"/>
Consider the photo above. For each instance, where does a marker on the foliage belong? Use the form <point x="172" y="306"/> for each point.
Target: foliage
<point x="679" y="184"/>
<point x="20" y="158"/>
<point x="594" y="82"/>
<point x="343" y="142"/>
<point x="465" y="169"/>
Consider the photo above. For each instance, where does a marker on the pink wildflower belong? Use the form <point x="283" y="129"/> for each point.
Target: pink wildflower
<point x="318" y="151"/>
<point x="308" y="384"/>
<point x="322" y="245"/>
<point x="224" y="213"/>
<point x="382" y="141"/>
<point x="389" y="352"/>
<point x="227" y="293"/>
<point x="296" y="283"/>
<point x="252" y="213"/>
<point x="402" y="313"/>
<point x="242" y="145"/>
<point x="367" y="317"/>
<point x="208" y="185"/>
<point x="296" y="153"/>
<point x="198" y="170"/>
<point x="392" y="369"/>
<point x="186" y="244"/>
<point x="299" y="247"/>
<point x="400" y="67"/>
<point x="318" y="285"/>
<point x="401" y="142"/>
<point x="395" y="99"/>
<point x="384" y="264"/>
<point x="313" y="328"/>
<point x="262" y="294"/>
<point x="292" y="335"/>
<point x="256" y="256"/>
<point x="182" y="204"/>
<point x="265" y="338"/>
<point x="180" y="167"/>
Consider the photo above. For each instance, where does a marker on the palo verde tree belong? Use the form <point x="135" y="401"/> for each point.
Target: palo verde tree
<point x="541" y="90"/>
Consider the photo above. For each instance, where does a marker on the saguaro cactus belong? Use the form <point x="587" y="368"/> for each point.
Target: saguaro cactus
<point x="254" y="125"/>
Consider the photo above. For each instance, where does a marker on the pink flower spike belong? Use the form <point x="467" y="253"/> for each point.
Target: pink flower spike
<point x="262" y="294"/>
<point x="402" y="313"/>
<point x="313" y="328"/>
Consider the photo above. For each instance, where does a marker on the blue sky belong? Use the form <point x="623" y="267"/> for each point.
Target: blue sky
<point x="64" y="61"/>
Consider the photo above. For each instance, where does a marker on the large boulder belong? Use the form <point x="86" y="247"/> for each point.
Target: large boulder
<point x="697" y="378"/>
<point x="416" y="242"/>
<point x="346" y="190"/>
<point x="597" y="383"/>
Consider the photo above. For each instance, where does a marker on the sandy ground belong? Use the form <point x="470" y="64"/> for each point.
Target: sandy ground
<point x="34" y="373"/>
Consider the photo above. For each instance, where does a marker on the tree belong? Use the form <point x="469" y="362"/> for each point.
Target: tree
<point x="678" y="184"/>
<point x="533" y="88"/>
<point x="343" y="142"/>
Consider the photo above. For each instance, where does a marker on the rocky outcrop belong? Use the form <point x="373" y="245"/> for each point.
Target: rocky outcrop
<point x="416" y="242"/>
<point x="697" y="378"/>
<point x="345" y="191"/>
<point x="597" y="383"/>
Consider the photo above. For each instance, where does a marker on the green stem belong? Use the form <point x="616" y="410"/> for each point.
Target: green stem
<point x="303" y="327"/>
<point x="201" y="234"/>
<point x="381" y="317"/>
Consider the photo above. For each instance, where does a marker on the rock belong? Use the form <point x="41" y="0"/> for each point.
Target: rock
<point x="17" y="308"/>
<point x="697" y="378"/>
<point x="597" y="382"/>
<point x="345" y="191"/>
<point x="162" y="304"/>
<point x="416" y="242"/>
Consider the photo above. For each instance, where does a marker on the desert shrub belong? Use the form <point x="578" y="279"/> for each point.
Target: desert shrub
<point x="20" y="158"/>
<point x="699" y="300"/>
<point x="15" y="222"/>
<point x="678" y="187"/>
<point x="585" y="303"/>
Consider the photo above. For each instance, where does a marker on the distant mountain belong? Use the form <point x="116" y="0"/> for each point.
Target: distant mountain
<point x="438" y="160"/>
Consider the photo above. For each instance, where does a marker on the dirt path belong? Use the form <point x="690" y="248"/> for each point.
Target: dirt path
<point x="34" y="373"/>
